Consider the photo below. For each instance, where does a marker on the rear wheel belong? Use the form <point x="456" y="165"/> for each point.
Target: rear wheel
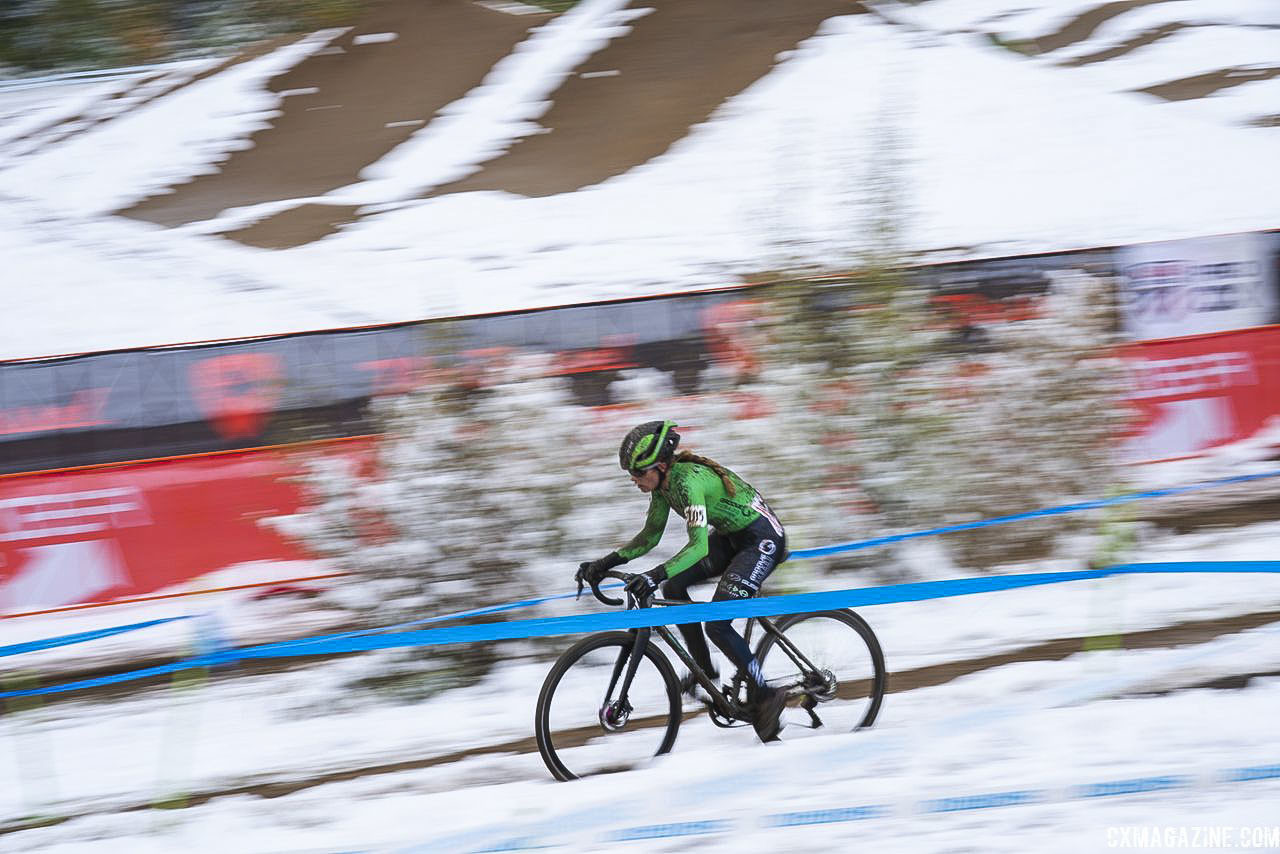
<point x="582" y="723"/>
<point x="842" y="685"/>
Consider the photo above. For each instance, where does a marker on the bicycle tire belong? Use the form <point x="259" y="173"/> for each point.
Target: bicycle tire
<point x="566" y="739"/>
<point x="860" y="675"/>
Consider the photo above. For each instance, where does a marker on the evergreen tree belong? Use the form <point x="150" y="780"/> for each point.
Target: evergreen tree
<point x="78" y="34"/>
<point x="483" y="492"/>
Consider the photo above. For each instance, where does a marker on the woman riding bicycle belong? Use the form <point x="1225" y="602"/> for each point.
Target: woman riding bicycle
<point x="732" y="534"/>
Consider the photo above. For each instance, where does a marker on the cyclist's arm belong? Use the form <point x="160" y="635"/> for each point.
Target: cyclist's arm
<point x="655" y="522"/>
<point x="695" y="520"/>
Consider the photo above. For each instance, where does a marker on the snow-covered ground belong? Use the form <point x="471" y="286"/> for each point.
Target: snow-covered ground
<point x="930" y="752"/>
<point x="1046" y="728"/>
<point x="1005" y="153"/>
<point x="183" y="619"/>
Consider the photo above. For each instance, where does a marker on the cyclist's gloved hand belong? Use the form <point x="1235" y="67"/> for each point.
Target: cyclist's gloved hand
<point x="591" y="571"/>
<point x="645" y="584"/>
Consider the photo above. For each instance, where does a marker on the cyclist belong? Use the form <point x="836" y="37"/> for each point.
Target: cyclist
<point x="732" y="534"/>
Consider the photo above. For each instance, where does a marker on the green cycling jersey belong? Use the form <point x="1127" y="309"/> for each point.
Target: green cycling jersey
<point x="695" y="492"/>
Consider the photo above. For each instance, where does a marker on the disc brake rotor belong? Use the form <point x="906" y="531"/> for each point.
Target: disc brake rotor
<point x="614" y="716"/>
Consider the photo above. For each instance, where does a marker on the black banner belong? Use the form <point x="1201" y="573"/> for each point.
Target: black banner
<point x="162" y="401"/>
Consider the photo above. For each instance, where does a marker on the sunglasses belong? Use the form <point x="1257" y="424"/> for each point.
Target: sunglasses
<point x="640" y="472"/>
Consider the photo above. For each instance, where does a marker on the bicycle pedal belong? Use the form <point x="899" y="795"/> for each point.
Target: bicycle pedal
<point x="721" y="721"/>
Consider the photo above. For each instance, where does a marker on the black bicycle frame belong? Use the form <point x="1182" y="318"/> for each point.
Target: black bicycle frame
<point x="726" y="705"/>
<point x="784" y="642"/>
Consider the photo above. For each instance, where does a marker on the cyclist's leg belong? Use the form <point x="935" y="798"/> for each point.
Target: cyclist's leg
<point x="743" y="579"/>
<point x="719" y="552"/>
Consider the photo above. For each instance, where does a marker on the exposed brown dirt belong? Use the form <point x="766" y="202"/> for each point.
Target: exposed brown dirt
<point x="321" y="141"/>
<point x="1191" y="632"/>
<point x="1203" y="85"/>
<point x="1140" y="40"/>
<point x="27" y="679"/>
<point x="1197" y="631"/>
<point x="1214" y="517"/>
<point x="295" y="226"/>
<point x="1086" y="24"/>
<point x="632" y="100"/>
<point x="622" y="107"/>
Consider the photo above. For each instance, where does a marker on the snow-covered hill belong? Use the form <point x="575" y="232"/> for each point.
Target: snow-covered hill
<point x="1005" y="152"/>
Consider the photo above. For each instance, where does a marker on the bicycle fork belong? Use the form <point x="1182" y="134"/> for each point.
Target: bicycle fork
<point x="614" y="714"/>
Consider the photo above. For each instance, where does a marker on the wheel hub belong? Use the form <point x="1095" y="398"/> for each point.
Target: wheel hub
<point x="822" y="685"/>
<point x="614" y="716"/>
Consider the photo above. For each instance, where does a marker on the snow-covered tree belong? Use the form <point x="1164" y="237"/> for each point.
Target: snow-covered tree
<point x="1034" y="420"/>
<point x="462" y="498"/>
<point x="895" y="429"/>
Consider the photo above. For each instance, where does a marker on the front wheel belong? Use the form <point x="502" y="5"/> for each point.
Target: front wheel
<point x="831" y="667"/>
<point x="585" y="724"/>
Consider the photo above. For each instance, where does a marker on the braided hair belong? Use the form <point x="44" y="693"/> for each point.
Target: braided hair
<point x="690" y="457"/>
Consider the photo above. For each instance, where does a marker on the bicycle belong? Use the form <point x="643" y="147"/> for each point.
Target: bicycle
<point x="612" y="701"/>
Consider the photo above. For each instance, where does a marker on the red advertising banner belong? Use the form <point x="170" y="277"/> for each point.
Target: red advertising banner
<point x="1199" y="392"/>
<point x="103" y="533"/>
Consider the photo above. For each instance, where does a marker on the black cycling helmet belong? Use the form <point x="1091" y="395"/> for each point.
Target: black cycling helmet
<point x="645" y="446"/>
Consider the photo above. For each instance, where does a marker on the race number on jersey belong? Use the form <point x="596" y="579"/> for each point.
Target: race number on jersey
<point x="696" y="516"/>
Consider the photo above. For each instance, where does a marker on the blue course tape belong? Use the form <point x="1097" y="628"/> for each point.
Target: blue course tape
<point x="1031" y="514"/>
<point x="831" y="816"/>
<point x="767" y="606"/>
<point x="551" y="833"/>
<point x="67" y="640"/>
<point x="799" y="554"/>
<point x="1111" y="788"/>
<point x="1257" y="772"/>
<point x="480" y="612"/>
<point x="81" y="637"/>
<point x="457" y="615"/>
<point x="984" y="801"/>
<point x="664" y="831"/>
<point x="989" y="800"/>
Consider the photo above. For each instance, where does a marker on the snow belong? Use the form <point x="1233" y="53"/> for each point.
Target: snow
<point x="1044" y="726"/>
<point x="233" y="616"/>
<point x="70" y="176"/>
<point x="1048" y="16"/>
<point x="503" y="108"/>
<point x="1006" y="152"/>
